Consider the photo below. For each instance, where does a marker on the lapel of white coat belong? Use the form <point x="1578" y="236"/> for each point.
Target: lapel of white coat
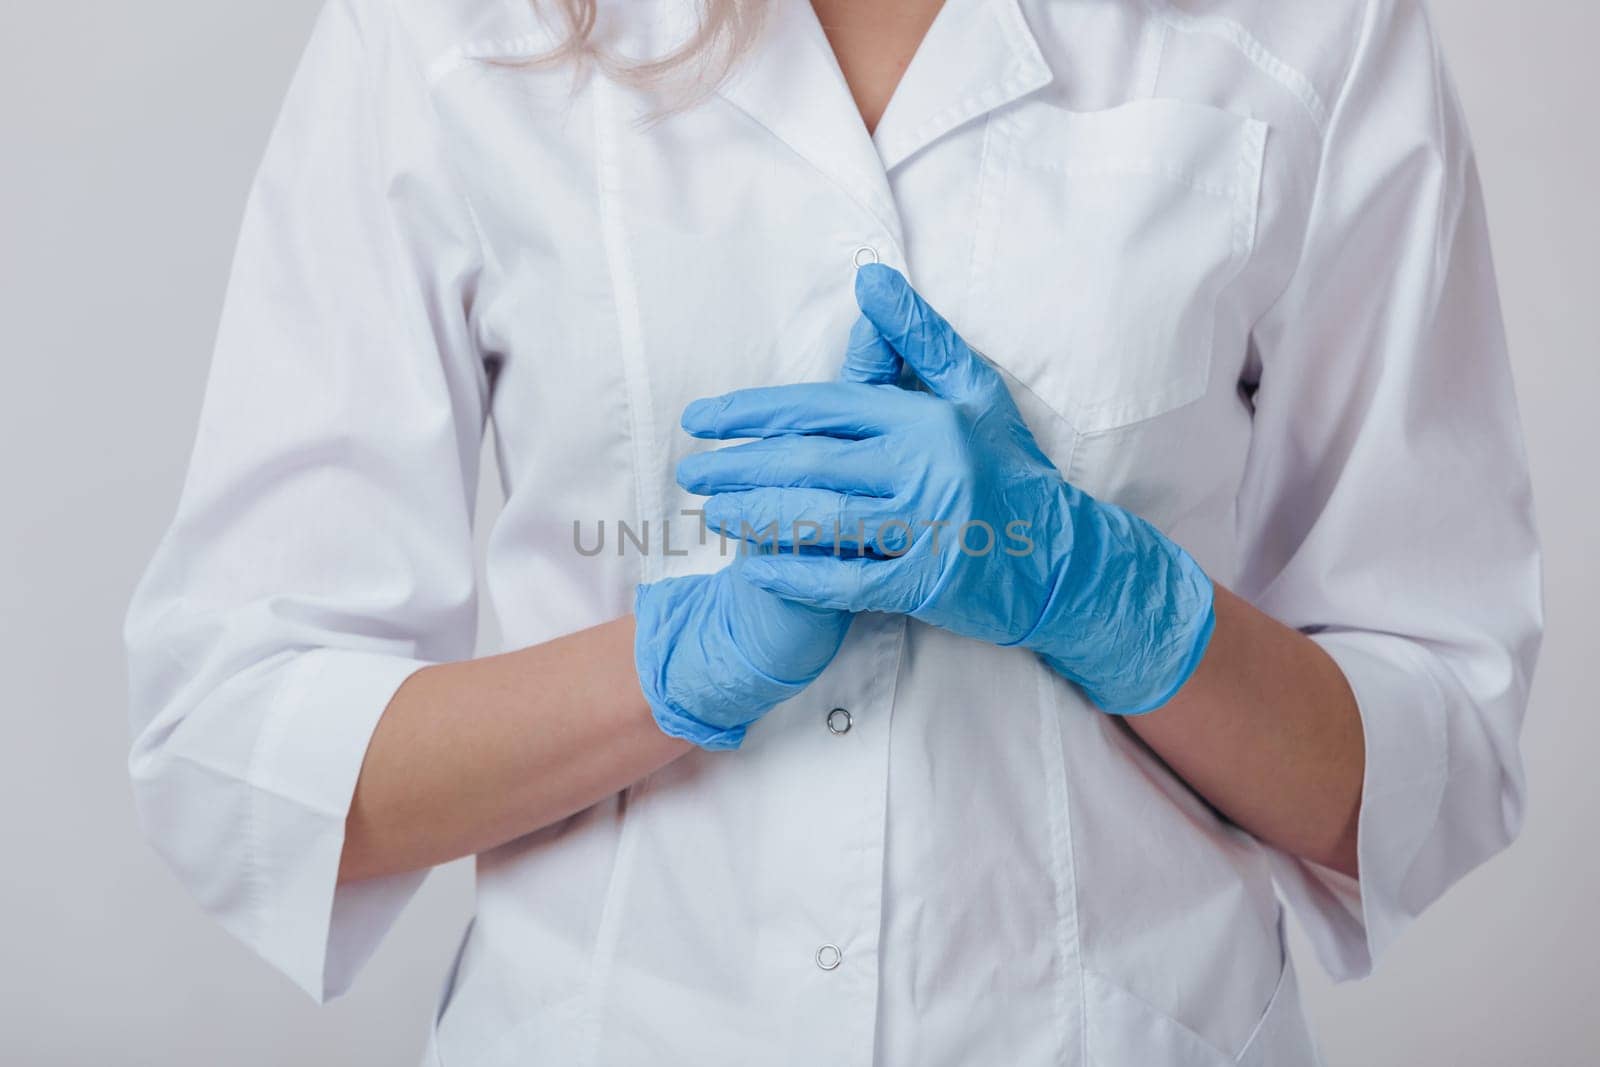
<point x="978" y="55"/>
<point x="791" y="84"/>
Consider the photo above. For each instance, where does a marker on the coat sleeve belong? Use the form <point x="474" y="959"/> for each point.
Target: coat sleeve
<point x="1386" y="509"/>
<point x="321" y="550"/>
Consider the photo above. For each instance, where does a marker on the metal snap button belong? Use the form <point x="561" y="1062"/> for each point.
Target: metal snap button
<point x="829" y="957"/>
<point x="839" y="721"/>
<point x="864" y="255"/>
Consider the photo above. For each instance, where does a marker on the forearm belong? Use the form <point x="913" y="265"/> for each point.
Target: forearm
<point x="470" y="755"/>
<point x="1268" y="732"/>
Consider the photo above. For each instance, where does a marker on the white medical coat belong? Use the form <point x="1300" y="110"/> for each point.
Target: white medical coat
<point x="1232" y="257"/>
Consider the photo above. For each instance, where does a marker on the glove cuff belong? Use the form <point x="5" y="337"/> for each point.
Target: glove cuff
<point x="654" y="615"/>
<point x="1186" y="668"/>
<point x="1126" y="665"/>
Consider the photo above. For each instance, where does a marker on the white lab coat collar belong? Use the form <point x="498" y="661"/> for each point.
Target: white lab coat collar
<point x="978" y="55"/>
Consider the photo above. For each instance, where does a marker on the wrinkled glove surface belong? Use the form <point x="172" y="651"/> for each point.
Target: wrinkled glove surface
<point x="941" y="506"/>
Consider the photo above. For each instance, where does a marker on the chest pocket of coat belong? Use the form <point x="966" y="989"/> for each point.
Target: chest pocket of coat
<point x="1105" y="240"/>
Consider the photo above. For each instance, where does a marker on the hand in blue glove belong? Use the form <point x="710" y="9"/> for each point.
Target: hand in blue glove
<point x="965" y="523"/>
<point x="716" y="652"/>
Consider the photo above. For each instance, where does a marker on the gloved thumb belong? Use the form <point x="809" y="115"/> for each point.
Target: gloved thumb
<point x="929" y="345"/>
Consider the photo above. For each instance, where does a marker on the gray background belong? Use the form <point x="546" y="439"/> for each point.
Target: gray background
<point x="128" y="135"/>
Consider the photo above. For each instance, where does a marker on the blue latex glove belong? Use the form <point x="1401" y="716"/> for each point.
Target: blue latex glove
<point x="965" y="523"/>
<point x="715" y="652"/>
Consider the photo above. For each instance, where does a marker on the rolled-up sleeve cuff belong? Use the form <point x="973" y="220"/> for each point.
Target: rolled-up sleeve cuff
<point x="304" y="770"/>
<point x="1403" y="719"/>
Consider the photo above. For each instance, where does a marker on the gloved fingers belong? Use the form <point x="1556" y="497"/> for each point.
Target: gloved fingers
<point x="798" y="519"/>
<point x="854" y="584"/>
<point x="839" y="409"/>
<point x="929" y="344"/>
<point x="868" y="358"/>
<point x="807" y="462"/>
